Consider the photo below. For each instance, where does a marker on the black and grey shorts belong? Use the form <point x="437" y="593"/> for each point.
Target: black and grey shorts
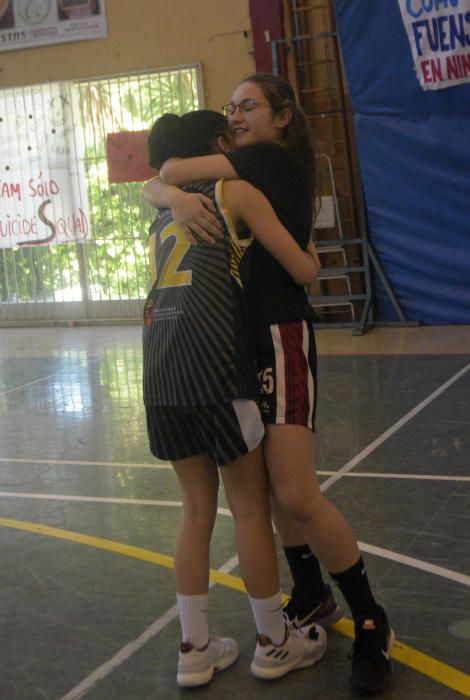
<point x="225" y="431"/>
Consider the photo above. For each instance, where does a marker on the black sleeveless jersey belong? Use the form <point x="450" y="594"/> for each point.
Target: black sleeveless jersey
<point x="272" y="295"/>
<point x="197" y="345"/>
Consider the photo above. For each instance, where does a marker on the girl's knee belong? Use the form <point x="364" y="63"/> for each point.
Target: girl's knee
<point x="298" y="508"/>
<point x="250" y="511"/>
<point x="200" y="518"/>
<point x="246" y="503"/>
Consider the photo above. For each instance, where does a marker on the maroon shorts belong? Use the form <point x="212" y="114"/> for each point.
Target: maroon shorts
<point x="287" y="373"/>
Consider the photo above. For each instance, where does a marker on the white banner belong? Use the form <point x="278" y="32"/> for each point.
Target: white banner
<point x="439" y="35"/>
<point x="43" y="198"/>
<point x="25" y="23"/>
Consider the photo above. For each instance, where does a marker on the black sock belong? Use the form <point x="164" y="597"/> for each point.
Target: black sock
<point x="354" y="585"/>
<point x="306" y="572"/>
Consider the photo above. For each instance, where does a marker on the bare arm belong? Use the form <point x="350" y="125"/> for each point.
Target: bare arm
<point x="179" y="171"/>
<point x="246" y="203"/>
<point x="312" y="250"/>
<point x="193" y="212"/>
<point x="157" y="193"/>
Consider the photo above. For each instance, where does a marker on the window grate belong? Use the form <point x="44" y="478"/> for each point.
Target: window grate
<point x="105" y="276"/>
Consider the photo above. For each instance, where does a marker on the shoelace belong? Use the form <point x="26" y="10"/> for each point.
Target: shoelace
<point x="305" y="640"/>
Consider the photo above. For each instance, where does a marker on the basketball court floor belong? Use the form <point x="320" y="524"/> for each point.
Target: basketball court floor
<point x="88" y="517"/>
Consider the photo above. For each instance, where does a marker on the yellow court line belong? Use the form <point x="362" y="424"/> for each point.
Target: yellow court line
<point x="438" y="671"/>
<point x="118" y="548"/>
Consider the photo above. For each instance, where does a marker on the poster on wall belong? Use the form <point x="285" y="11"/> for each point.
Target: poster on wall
<point x="43" y="194"/>
<point x="439" y="35"/>
<point x="27" y="23"/>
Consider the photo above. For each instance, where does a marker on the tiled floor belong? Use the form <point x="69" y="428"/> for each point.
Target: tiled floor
<point x="87" y="517"/>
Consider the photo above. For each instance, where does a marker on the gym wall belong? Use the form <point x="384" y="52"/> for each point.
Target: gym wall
<point x="148" y="34"/>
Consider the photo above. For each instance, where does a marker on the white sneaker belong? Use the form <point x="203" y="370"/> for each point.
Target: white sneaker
<point x="301" y="648"/>
<point x="197" y="666"/>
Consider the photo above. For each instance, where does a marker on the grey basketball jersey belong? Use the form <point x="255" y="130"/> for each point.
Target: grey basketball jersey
<point x="197" y="345"/>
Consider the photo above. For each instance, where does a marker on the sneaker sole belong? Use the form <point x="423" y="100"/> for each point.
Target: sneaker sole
<point x="269" y="674"/>
<point x="191" y="680"/>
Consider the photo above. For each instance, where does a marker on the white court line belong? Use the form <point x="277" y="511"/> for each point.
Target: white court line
<point x="35" y="381"/>
<point x="80" y="463"/>
<point x="137" y="465"/>
<point x="99" y="499"/>
<point x="415" y="563"/>
<point x="384" y="475"/>
<point x="393" y="429"/>
<point x="372" y="549"/>
<point x="42" y="379"/>
<point x="88" y="499"/>
<point x="129" y="649"/>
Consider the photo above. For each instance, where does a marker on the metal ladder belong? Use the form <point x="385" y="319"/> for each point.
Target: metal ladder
<point x="313" y="63"/>
<point x="329" y="248"/>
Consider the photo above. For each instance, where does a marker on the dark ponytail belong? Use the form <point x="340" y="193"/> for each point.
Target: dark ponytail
<point x="193" y="134"/>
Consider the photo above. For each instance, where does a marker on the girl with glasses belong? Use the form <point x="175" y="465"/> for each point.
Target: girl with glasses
<point x="274" y="152"/>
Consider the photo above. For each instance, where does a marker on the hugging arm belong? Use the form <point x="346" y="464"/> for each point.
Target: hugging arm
<point x="247" y="204"/>
<point x="193" y="212"/>
<point x="180" y="171"/>
<point x="312" y="250"/>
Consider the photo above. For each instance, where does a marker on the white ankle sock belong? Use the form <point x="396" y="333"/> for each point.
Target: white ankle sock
<point x="193" y="619"/>
<point x="268" y="617"/>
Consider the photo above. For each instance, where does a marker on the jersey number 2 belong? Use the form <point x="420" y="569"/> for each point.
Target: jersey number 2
<point x="170" y="275"/>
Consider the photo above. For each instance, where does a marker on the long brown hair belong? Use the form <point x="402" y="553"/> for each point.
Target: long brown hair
<point x="297" y="135"/>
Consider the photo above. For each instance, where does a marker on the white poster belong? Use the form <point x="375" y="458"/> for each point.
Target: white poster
<point x="324" y="212"/>
<point x="439" y="35"/>
<point x="25" y="23"/>
<point x="43" y="198"/>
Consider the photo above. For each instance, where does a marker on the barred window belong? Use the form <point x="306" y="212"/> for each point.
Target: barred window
<point x="73" y="227"/>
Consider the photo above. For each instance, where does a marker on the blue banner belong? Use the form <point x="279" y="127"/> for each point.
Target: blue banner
<point x="414" y="151"/>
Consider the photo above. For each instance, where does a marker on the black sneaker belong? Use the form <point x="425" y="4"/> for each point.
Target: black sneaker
<point x="322" y="612"/>
<point x="371" y="665"/>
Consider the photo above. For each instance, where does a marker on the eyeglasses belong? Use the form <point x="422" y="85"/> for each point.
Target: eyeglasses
<point x="246" y="105"/>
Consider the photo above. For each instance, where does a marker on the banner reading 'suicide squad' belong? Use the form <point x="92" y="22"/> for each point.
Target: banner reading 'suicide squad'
<point x="43" y="188"/>
<point x="439" y="35"/>
<point x="26" y="23"/>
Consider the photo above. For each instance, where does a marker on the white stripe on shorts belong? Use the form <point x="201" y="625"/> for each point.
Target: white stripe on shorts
<point x="249" y="420"/>
<point x="280" y="387"/>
